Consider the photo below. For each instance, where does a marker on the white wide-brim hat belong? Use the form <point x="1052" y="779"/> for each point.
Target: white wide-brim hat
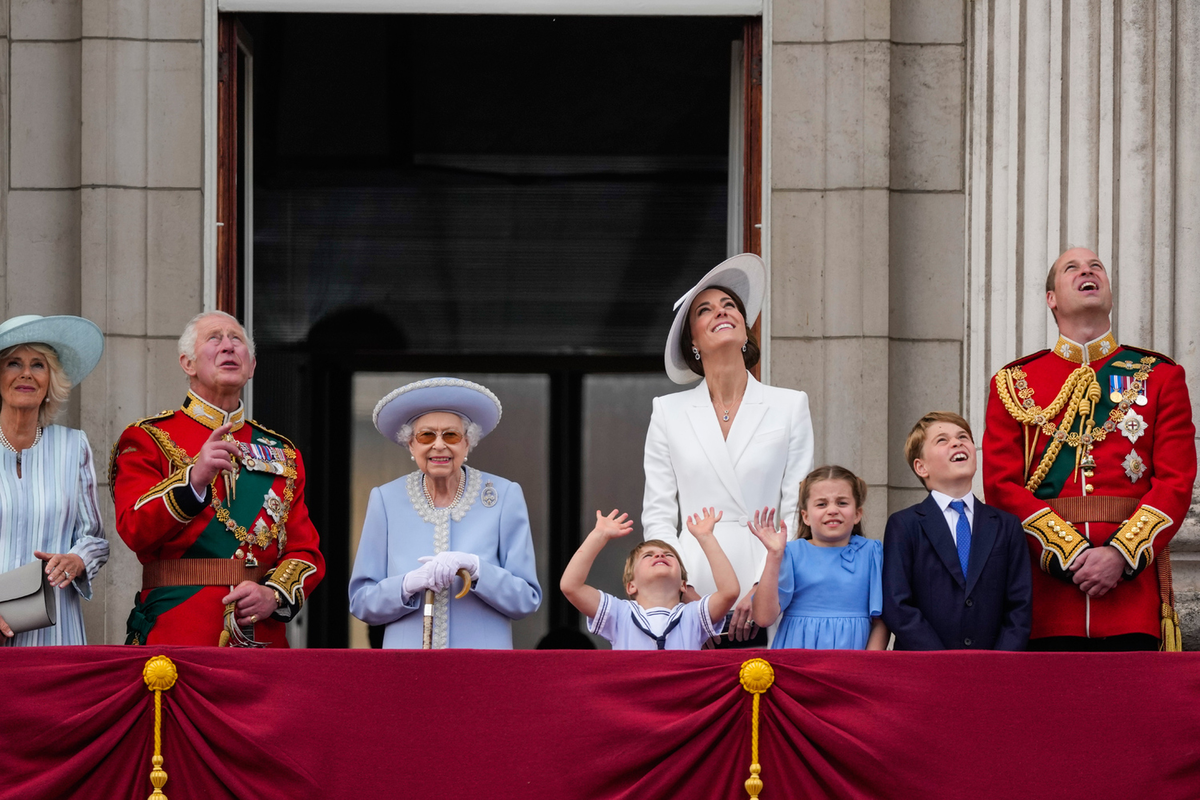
<point x="403" y="405"/>
<point x="746" y="275"/>
<point x="78" y="342"/>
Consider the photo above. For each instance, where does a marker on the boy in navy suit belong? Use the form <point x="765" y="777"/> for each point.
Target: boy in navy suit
<point x="955" y="571"/>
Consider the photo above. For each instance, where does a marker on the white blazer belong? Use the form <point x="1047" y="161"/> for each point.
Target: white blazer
<point x="690" y="466"/>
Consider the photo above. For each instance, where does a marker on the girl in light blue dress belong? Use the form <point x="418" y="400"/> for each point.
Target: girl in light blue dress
<point x="828" y="583"/>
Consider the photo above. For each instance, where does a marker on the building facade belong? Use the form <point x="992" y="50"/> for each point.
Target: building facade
<point x="923" y="163"/>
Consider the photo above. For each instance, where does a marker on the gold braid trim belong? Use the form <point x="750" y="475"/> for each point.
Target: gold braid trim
<point x="288" y="577"/>
<point x="1135" y="537"/>
<point x="1079" y="395"/>
<point x="1059" y="538"/>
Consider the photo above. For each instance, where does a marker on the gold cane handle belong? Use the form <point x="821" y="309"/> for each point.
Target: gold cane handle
<point x="466" y="579"/>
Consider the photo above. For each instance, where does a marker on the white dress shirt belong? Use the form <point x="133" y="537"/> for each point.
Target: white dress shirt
<point x="944" y="501"/>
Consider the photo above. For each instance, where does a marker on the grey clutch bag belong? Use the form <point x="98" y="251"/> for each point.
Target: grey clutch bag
<point x="27" y="598"/>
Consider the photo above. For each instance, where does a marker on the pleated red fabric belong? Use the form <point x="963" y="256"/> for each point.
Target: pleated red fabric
<point x="77" y="722"/>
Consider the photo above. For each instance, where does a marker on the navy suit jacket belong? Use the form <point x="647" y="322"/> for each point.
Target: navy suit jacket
<point x="930" y="605"/>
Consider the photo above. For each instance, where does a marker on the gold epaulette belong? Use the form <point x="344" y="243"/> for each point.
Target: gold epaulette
<point x="1061" y="542"/>
<point x="1135" y="538"/>
<point x="1155" y="353"/>
<point x="265" y="429"/>
<point x="1026" y="359"/>
<point x="112" y="455"/>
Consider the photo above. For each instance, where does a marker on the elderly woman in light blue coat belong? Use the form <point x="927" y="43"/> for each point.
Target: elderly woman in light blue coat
<point x="423" y="528"/>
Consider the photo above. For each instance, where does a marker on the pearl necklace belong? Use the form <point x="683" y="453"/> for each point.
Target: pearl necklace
<point x="37" y="437"/>
<point x="462" y="482"/>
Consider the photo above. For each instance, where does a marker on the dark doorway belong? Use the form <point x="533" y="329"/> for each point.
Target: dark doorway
<point x="446" y="194"/>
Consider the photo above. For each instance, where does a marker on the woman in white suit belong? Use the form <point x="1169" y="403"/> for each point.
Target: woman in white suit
<point x="731" y="443"/>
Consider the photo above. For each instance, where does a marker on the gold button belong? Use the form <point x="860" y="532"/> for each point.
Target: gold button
<point x="1145" y="518"/>
<point x="1087" y="473"/>
<point x="1129" y="535"/>
<point x="240" y="554"/>
<point x="1069" y="538"/>
<point x="1089" y="488"/>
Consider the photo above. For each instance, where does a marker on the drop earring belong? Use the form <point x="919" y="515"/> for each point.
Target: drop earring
<point x="744" y="345"/>
<point x="696" y="353"/>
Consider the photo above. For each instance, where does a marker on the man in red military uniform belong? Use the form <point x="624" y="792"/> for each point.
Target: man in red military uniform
<point x="213" y="505"/>
<point x="1092" y="445"/>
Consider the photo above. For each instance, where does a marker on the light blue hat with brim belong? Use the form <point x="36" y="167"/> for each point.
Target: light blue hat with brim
<point x="472" y="400"/>
<point x="77" y="341"/>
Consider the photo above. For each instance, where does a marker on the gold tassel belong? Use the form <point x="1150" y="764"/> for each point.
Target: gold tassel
<point x="159" y="675"/>
<point x="756" y="677"/>
<point x="1172" y="641"/>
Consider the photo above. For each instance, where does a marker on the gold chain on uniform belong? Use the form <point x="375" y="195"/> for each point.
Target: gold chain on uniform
<point x="1079" y="395"/>
<point x="182" y="460"/>
<point x="265" y="535"/>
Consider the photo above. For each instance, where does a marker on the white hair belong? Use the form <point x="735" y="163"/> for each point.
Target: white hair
<point x="187" y="340"/>
<point x="474" y="433"/>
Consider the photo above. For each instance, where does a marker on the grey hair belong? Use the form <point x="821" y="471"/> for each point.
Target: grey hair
<point x="58" y="388"/>
<point x="474" y="433"/>
<point x="187" y="340"/>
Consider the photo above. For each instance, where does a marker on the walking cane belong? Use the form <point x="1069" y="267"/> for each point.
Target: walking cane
<point x="427" y="634"/>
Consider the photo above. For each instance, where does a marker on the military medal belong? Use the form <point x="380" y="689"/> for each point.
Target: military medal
<point x="1134" y="466"/>
<point x="1132" y="425"/>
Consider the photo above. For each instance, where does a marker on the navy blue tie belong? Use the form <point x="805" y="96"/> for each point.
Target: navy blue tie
<point x="963" y="535"/>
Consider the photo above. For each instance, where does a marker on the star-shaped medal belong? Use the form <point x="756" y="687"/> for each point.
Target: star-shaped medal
<point x="1133" y="425"/>
<point x="1134" y="466"/>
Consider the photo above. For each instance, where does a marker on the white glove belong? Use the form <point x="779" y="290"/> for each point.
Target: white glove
<point x="420" y="578"/>
<point x="456" y="561"/>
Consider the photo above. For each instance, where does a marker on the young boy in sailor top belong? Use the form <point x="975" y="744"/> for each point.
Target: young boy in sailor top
<point x="655" y="617"/>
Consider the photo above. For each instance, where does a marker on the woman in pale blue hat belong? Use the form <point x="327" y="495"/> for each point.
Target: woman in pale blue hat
<point x="423" y="529"/>
<point x="48" y="506"/>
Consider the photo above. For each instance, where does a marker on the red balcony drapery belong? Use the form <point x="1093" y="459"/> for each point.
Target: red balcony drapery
<point x="78" y="722"/>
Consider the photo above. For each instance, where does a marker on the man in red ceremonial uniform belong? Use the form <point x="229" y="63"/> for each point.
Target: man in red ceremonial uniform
<point x="1092" y="445"/>
<point x="213" y="505"/>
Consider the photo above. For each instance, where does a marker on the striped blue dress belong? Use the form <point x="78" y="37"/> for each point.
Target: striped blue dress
<point x="52" y="507"/>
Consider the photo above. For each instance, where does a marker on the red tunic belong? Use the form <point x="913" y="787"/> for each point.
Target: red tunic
<point x="1156" y="465"/>
<point x="160" y="518"/>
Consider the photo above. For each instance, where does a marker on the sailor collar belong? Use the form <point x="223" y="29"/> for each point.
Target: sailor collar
<point x="1095" y="350"/>
<point x="212" y="417"/>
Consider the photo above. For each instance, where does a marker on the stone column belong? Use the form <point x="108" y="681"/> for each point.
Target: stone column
<point x="866" y="218"/>
<point x="141" y="225"/>
<point x="1085" y="130"/>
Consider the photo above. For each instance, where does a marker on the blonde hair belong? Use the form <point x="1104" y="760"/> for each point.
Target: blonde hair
<point x="829" y="472"/>
<point x="631" y="559"/>
<point x="914" y="445"/>
<point x="58" y="388"/>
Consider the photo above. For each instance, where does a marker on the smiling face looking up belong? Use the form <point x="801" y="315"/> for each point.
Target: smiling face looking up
<point x="1081" y="286"/>
<point x="716" y="321"/>
<point x="947" y="461"/>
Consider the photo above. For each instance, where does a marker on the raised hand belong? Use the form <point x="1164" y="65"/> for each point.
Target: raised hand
<point x="702" y="524"/>
<point x="214" y="457"/>
<point x="611" y="526"/>
<point x="763" y="526"/>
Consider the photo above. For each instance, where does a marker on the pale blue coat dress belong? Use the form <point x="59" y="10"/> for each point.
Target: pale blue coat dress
<point x="829" y="595"/>
<point x="52" y="508"/>
<point x="490" y="521"/>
